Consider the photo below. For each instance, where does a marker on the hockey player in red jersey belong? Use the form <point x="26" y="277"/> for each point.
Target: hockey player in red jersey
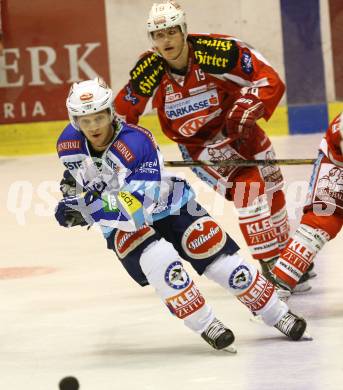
<point x="323" y="212"/>
<point x="209" y="90"/>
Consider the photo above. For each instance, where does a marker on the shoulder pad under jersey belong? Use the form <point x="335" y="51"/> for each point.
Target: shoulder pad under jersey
<point x="70" y="141"/>
<point x="147" y="134"/>
<point x="147" y="74"/>
<point x="132" y="143"/>
<point x="215" y="55"/>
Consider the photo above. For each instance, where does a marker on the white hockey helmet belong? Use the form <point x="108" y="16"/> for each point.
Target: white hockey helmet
<point x="89" y="97"/>
<point x="165" y="15"/>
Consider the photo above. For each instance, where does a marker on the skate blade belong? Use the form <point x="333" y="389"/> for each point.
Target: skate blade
<point x="230" y="349"/>
<point x="301" y="290"/>
<point x="256" y="319"/>
<point x="306" y="337"/>
<point x="312" y="274"/>
<point x="283" y="295"/>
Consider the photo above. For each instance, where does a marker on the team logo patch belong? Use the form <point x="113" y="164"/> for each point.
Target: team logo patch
<point x="176" y="277"/>
<point x="203" y="239"/>
<point x="241" y="278"/>
<point x="160" y="20"/>
<point x="186" y="302"/>
<point x="270" y="173"/>
<point x="169" y="89"/>
<point x="246" y="63"/>
<point x="329" y="189"/>
<point x="86" y="97"/>
<point x="129" y="97"/>
<point x="125" y="242"/>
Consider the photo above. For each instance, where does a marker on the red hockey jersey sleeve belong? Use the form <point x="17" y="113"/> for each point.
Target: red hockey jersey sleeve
<point x="135" y="98"/>
<point x="250" y="70"/>
<point x="331" y="144"/>
<point x="270" y="86"/>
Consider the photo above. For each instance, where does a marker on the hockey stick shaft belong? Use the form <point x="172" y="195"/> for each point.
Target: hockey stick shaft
<point x="240" y="162"/>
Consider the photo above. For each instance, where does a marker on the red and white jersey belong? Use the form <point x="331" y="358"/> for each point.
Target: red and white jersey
<point x="331" y="143"/>
<point x="326" y="184"/>
<point x="192" y="108"/>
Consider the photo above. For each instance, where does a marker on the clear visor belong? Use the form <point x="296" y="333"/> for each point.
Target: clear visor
<point x="94" y="121"/>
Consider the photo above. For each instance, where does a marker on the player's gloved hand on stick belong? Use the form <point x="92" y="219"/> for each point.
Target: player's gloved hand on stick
<point x="243" y="116"/>
<point x="68" y="184"/>
<point x="66" y="215"/>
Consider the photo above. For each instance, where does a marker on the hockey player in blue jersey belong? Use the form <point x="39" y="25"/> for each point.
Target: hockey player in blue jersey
<point x="115" y="179"/>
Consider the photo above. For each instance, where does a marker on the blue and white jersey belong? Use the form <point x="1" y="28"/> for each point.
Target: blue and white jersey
<point x="127" y="186"/>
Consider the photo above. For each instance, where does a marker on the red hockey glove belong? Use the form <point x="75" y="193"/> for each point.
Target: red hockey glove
<point x="243" y="115"/>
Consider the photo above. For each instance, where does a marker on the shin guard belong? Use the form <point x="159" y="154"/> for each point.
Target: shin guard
<point x="256" y="225"/>
<point x="164" y="271"/>
<point x="299" y="253"/>
<point x="250" y="287"/>
<point x="281" y="226"/>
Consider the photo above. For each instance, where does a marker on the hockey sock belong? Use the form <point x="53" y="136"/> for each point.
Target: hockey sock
<point x="299" y="253"/>
<point x="281" y="226"/>
<point x="250" y="287"/>
<point x="257" y="227"/>
<point x="163" y="269"/>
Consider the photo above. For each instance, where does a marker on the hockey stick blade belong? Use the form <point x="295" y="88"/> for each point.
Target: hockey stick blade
<point x="240" y="162"/>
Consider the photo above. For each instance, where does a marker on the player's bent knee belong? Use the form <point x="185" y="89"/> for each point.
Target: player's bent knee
<point x="124" y="243"/>
<point x="232" y="272"/>
<point x="128" y="246"/>
<point x="162" y="266"/>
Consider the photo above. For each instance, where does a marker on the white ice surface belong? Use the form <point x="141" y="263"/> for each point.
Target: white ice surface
<point x="82" y="315"/>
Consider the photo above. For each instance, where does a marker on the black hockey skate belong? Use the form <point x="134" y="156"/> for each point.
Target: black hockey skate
<point x="292" y="326"/>
<point x="282" y="289"/>
<point x="311" y="272"/>
<point x="218" y="336"/>
<point x="267" y="268"/>
<point x="303" y="284"/>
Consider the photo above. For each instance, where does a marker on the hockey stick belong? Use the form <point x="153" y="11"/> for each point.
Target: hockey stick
<point x="240" y="162"/>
